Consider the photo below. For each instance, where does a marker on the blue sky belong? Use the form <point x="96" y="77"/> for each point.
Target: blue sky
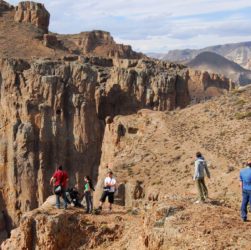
<point x="155" y="25"/>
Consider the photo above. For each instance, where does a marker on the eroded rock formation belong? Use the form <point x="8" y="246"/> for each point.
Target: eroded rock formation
<point x="34" y="13"/>
<point x="99" y="43"/>
<point x="203" y="85"/>
<point x="48" y="117"/>
<point x="52" y="112"/>
<point x="47" y="229"/>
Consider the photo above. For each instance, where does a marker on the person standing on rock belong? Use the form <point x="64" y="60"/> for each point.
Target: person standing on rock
<point x="88" y="194"/>
<point x="109" y="190"/>
<point x="245" y="182"/>
<point x="60" y="179"/>
<point x="199" y="177"/>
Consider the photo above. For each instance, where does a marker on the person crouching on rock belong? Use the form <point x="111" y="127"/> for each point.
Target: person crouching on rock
<point x="72" y="195"/>
<point x="59" y="180"/>
<point x="109" y="190"/>
<point x="88" y="194"/>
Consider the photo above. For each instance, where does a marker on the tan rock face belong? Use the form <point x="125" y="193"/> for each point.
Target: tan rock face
<point x="203" y="85"/>
<point x="53" y="112"/>
<point x="48" y="117"/>
<point x="99" y="43"/>
<point x="34" y="13"/>
<point x="136" y="84"/>
<point x="50" y="229"/>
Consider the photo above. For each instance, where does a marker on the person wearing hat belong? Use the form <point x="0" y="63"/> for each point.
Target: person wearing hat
<point x="109" y="190"/>
<point x="245" y="182"/>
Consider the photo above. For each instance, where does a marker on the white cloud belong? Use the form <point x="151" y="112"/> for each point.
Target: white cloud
<point x="156" y="25"/>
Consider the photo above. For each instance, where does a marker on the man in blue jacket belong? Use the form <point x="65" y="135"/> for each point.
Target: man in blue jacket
<point x="245" y="179"/>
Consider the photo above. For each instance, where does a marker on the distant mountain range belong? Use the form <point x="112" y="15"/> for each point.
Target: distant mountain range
<point x="239" y="53"/>
<point x="212" y="62"/>
<point x="232" y="60"/>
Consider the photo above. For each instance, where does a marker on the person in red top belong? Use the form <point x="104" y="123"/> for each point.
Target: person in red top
<point x="60" y="178"/>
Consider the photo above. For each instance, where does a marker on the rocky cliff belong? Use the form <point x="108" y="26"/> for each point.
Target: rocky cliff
<point x="49" y="229"/>
<point x="34" y="13"/>
<point x="98" y="43"/>
<point x="153" y="161"/>
<point x="29" y="24"/>
<point x="204" y="85"/>
<point x="48" y="117"/>
<point x="53" y="112"/>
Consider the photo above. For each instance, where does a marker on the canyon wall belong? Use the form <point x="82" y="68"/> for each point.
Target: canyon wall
<point x="48" y="117"/>
<point x="204" y="85"/>
<point x="53" y="112"/>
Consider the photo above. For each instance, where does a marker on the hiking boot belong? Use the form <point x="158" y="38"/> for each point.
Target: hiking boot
<point x="244" y="219"/>
<point x="100" y="208"/>
<point x="199" y="201"/>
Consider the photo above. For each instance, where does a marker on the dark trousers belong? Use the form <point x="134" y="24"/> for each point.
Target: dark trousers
<point x="202" y="188"/>
<point x="246" y="197"/>
<point x="63" y="194"/>
<point x="89" y="204"/>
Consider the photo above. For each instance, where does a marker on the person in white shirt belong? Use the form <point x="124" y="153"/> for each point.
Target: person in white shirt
<point x="109" y="190"/>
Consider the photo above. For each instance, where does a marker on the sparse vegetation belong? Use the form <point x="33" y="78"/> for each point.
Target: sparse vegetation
<point x="240" y="102"/>
<point x="242" y="115"/>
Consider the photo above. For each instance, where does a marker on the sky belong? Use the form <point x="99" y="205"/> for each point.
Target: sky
<point x="155" y="25"/>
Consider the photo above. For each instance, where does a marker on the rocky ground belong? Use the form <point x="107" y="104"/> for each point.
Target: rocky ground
<point x="158" y="151"/>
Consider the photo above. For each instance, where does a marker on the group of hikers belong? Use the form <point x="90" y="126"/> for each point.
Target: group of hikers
<point x="60" y="180"/>
<point x="245" y="183"/>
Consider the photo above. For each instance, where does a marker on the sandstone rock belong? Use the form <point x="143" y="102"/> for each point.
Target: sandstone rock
<point x="51" y="229"/>
<point x="204" y="85"/>
<point x="50" y="118"/>
<point x="54" y="113"/>
<point x="34" y="13"/>
<point x="100" y="43"/>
